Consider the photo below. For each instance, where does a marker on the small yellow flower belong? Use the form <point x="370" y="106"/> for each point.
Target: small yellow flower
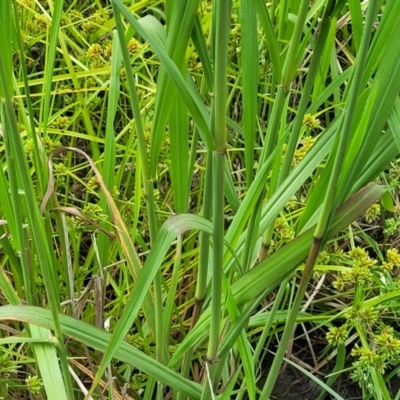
<point x="393" y="257"/>
<point x="98" y="18"/>
<point x="387" y="266"/>
<point x="94" y="212"/>
<point x="75" y="15"/>
<point x="337" y="335"/>
<point x="362" y="315"/>
<point x="373" y="212"/>
<point x="133" y="46"/>
<point x="40" y="23"/>
<point x="305" y="146"/>
<point x="107" y="51"/>
<point x="94" y="52"/>
<point x="88" y="26"/>
<point x="311" y="122"/>
<point x="338" y="284"/>
<point x="61" y="122"/>
<point x="34" y="384"/>
<point x="357" y="253"/>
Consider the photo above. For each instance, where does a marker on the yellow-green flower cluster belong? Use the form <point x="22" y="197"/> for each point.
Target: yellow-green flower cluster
<point x="94" y="52"/>
<point x="75" y="15"/>
<point x="94" y="212"/>
<point x="48" y="144"/>
<point x="365" y="316"/>
<point x="283" y="229"/>
<point x="107" y="51"/>
<point x="311" y="122"/>
<point x="61" y="122"/>
<point x="98" y="18"/>
<point x="59" y="171"/>
<point x="38" y="25"/>
<point x="305" y="146"/>
<point x="34" y="384"/>
<point x="93" y="184"/>
<point x="138" y="379"/>
<point x="88" y="27"/>
<point x="144" y="345"/>
<point x="339" y="284"/>
<point x="388" y="345"/>
<point x="391" y="226"/>
<point x="385" y="352"/>
<point x="368" y="358"/>
<point x="373" y="212"/>
<point x="393" y="260"/>
<point x="361" y="270"/>
<point x="337" y="335"/>
<point x="133" y="46"/>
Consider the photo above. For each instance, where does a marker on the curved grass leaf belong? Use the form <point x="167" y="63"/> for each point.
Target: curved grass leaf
<point x="98" y="339"/>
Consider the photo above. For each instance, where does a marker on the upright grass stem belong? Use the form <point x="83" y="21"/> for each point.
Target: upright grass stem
<point x="32" y="211"/>
<point x="148" y="187"/>
<point x="288" y="73"/>
<point x="221" y="31"/>
<point x="222" y="23"/>
<point x="327" y="209"/>
<point x="295" y="132"/>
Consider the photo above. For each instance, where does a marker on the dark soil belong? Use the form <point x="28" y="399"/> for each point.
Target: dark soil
<point x="293" y="385"/>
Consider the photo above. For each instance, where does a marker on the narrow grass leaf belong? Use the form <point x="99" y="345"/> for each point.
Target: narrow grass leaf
<point x="99" y="339"/>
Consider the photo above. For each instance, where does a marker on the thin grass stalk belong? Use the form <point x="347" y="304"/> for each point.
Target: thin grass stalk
<point x="288" y="73"/>
<point x="179" y="31"/>
<point x="270" y="37"/>
<point x="110" y="145"/>
<point x="249" y="60"/>
<point x="50" y="57"/>
<point x="16" y="221"/>
<point x="147" y="183"/>
<point x="204" y="240"/>
<point x="302" y="108"/>
<point x="223" y="11"/>
<point x="327" y="210"/>
<point x="134" y="101"/>
<point x="38" y="159"/>
<point x="85" y="112"/>
<point x="204" y="246"/>
<point x="34" y="218"/>
<point x="267" y="327"/>
<point x="312" y="72"/>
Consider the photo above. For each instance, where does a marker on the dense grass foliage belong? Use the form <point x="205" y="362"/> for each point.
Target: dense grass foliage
<point x="197" y="195"/>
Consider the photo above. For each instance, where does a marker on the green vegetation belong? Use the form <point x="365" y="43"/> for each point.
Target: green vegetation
<point x="191" y="190"/>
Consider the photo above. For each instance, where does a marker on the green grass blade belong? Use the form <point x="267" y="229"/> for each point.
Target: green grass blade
<point x="295" y="252"/>
<point x="249" y="59"/>
<point x="98" y="339"/>
<point x="270" y="37"/>
<point x="192" y="99"/>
